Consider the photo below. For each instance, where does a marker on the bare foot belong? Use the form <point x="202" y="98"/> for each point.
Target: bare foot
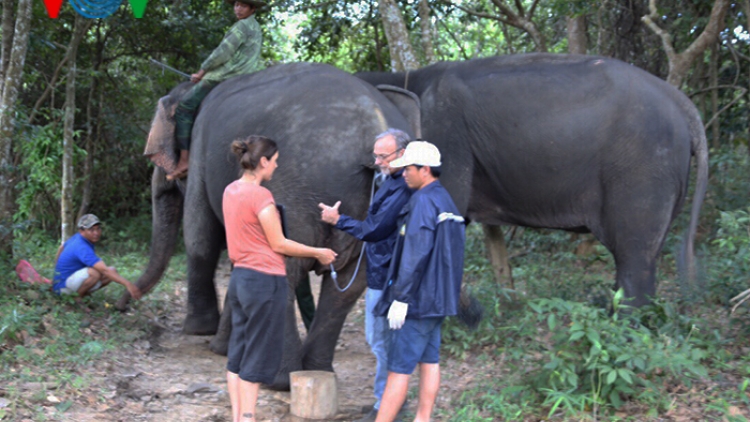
<point x="179" y="173"/>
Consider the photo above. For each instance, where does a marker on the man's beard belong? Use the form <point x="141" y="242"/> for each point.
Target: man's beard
<point x="380" y="177"/>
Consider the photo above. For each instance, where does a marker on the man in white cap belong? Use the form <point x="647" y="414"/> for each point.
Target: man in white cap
<point x="77" y="267"/>
<point x="424" y="281"/>
<point x="379" y="230"/>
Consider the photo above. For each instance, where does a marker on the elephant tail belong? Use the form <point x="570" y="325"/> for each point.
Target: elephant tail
<point x="470" y="311"/>
<point x="699" y="147"/>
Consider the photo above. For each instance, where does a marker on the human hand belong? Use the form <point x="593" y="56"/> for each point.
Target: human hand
<point x="134" y="291"/>
<point x="328" y="214"/>
<point x="196" y="77"/>
<point x="326" y="256"/>
<point x="397" y="314"/>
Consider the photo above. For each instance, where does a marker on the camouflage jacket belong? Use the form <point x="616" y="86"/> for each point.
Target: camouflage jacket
<point x="238" y="53"/>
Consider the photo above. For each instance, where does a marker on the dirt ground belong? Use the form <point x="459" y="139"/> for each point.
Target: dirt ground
<point x="175" y="377"/>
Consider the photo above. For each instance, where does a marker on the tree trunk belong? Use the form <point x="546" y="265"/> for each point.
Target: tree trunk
<point x="679" y="63"/>
<point x="88" y="164"/>
<point x="601" y="34"/>
<point x="746" y="9"/>
<point x="713" y="83"/>
<point x="13" y="76"/>
<point x="576" y="34"/>
<point x="425" y="24"/>
<point x="68" y="178"/>
<point x="7" y="35"/>
<point x="402" y="54"/>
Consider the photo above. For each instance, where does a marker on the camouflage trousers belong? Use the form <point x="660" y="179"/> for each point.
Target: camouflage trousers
<point x="187" y="109"/>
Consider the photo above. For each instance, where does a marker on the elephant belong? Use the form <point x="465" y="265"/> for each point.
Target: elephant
<point x="325" y="122"/>
<point x="573" y="142"/>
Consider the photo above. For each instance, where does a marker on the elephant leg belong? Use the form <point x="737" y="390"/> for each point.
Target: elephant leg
<point x="333" y="307"/>
<point x="305" y="301"/>
<point x="220" y="342"/>
<point x="204" y="238"/>
<point x="635" y="236"/>
<point x="291" y="356"/>
<point x="497" y="251"/>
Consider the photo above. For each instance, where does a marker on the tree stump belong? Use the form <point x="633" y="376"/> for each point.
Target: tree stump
<point x="314" y="394"/>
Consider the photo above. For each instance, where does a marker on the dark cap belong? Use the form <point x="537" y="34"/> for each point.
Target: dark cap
<point x="258" y="4"/>
<point x="88" y="221"/>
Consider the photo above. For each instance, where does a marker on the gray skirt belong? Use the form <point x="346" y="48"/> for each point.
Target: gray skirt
<point x="258" y="304"/>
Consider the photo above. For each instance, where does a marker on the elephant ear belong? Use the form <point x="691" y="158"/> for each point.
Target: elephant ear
<point x="407" y="103"/>
<point x="160" y="146"/>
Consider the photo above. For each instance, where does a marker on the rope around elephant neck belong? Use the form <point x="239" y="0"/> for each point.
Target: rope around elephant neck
<point x="334" y="275"/>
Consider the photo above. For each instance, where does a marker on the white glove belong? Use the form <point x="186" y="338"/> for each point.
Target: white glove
<point x="397" y="314"/>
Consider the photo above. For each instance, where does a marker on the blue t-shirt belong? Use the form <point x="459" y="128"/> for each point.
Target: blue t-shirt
<point x="77" y="253"/>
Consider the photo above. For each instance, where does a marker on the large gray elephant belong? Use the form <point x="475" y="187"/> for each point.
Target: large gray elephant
<point x="581" y="143"/>
<point x="325" y="122"/>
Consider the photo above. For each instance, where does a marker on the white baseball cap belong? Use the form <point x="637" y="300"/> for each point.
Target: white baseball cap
<point x="418" y="153"/>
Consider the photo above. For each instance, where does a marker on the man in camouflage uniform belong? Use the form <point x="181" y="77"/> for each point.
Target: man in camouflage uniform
<point x="238" y="54"/>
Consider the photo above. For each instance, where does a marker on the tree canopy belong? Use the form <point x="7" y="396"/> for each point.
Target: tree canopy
<point x="117" y="87"/>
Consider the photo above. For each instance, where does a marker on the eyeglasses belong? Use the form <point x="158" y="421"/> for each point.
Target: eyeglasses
<point x="384" y="157"/>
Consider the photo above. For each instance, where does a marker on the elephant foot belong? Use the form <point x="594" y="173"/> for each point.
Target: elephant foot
<point x="310" y="364"/>
<point x="201" y="324"/>
<point x="219" y="345"/>
<point x="280" y="383"/>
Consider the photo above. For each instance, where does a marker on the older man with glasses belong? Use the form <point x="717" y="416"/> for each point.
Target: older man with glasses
<point x="378" y="229"/>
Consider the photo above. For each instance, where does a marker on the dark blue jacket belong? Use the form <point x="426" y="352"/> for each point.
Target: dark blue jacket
<point x="379" y="228"/>
<point x="427" y="265"/>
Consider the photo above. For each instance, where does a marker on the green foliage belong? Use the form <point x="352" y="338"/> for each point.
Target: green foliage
<point x="728" y="265"/>
<point x="496" y="301"/>
<point x="38" y="196"/>
<point x="53" y="339"/>
<point x="590" y="360"/>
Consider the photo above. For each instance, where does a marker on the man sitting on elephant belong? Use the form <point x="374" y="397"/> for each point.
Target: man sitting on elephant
<point x="378" y="229"/>
<point x="238" y="54"/>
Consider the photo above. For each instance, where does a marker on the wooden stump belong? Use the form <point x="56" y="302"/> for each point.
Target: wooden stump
<point x="314" y="394"/>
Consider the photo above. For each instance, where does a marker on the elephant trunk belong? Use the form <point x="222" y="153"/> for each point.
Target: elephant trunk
<point x="167" y="204"/>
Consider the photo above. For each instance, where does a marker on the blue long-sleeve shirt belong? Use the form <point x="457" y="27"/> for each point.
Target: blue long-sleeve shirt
<point x="427" y="265"/>
<point x="378" y="229"/>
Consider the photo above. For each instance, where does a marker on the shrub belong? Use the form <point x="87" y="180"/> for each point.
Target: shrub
<point x="588" y="360"/>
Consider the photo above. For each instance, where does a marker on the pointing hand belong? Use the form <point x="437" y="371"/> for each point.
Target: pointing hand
<point x="328" y="214"/>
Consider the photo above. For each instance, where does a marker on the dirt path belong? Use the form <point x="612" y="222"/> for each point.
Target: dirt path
<point x="175" y="377"/>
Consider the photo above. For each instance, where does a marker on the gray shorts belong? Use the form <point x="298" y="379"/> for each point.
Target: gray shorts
<point x="73" y="283"/>
<point x="258" y="303"/>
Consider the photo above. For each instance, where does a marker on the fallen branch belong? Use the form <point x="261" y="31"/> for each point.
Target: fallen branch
<point x="744" y="295"/>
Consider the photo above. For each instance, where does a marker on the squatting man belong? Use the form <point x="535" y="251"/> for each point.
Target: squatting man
<point x="77" y="267"/>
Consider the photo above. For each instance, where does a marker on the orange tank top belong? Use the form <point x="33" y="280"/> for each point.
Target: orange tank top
<point x="246" y="240"/>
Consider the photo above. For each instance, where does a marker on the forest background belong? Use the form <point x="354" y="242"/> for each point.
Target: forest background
<point x="78" y="96"/>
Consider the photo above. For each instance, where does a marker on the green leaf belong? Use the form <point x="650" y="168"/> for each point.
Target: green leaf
<point x="575" y="336"/>
<point x="625" y="374"/>
<point x="612" y="377"/>
<point x="614" y="398"/>
<point x="551" y="323"/>
<point x="622" y="358"/>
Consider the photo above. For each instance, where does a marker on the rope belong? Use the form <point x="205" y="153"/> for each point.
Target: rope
<point x="334" y="275"/>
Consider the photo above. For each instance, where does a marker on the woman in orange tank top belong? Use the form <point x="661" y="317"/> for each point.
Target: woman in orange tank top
<point x="258" y="286"/>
